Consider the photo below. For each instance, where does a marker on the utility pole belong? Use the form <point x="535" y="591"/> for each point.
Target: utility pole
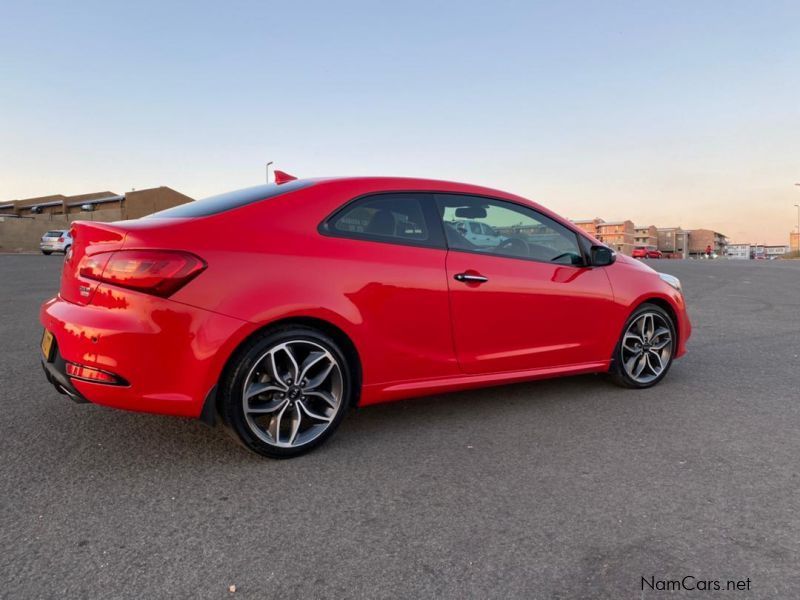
<point x="268" y="164"/>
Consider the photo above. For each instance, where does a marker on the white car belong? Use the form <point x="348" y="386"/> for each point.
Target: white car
<point x="479" y="234"/>
<point x="57" y="240"/>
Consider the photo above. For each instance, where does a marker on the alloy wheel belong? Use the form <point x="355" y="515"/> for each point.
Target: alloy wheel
<point x="292" y="393"/>
<point x="647" y="347"/>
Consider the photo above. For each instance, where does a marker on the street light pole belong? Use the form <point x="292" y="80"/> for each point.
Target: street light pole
<point x="268" y="164"/>
<point x="797" y="206"/>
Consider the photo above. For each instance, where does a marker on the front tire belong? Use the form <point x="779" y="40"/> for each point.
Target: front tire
<point x="646" y="348"/>
<point x="286" y="391"/>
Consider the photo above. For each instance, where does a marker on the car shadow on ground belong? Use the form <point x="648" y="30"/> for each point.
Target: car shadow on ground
<point x="155" y="438"/>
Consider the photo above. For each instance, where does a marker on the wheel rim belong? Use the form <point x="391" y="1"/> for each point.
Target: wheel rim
<point x="647" y="347"/>
<point x="292" y="394"/>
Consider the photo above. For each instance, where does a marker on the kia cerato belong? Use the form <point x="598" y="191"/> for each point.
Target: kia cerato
<point x="276" y="308"/>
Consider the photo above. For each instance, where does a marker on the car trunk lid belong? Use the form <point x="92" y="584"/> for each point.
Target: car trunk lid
<point x="89" y="241"/>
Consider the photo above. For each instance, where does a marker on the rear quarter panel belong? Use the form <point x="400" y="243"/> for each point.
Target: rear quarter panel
<point x="268" y="262"/>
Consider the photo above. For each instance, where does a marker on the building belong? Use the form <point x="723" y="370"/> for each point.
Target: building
<point x="794" y="241"/>
<point x="618" y="235"/>
<point x="673" y="241"/>
<point x="740" y="251"/>
<point x="590" y="225"/>
<point x="108" y="206"/>
<point x="702" y="239"/>
<point x="775" y="251"/>
<point x="22" y="222"/>
<point x="646" y="236"/>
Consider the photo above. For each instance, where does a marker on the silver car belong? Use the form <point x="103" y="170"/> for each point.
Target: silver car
<point x="57" y="240"/>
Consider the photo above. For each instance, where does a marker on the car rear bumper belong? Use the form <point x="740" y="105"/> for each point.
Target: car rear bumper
<point x="169" y="355"/>
<point x="56" y="373"/>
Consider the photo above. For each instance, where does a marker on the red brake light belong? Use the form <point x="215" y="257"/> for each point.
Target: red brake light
<point x="61" y="239"/>
<point x="91" y="374"/>
<point x="157" y="272"/>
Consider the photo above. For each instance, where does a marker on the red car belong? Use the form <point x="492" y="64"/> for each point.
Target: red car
<point x="276" y="308"/>
<point x="645" y="252"/>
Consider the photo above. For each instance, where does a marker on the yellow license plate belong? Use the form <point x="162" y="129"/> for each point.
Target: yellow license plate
<point x="47" y="344"/>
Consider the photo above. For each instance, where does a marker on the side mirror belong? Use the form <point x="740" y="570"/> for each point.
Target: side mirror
<point x="602" y="256"/>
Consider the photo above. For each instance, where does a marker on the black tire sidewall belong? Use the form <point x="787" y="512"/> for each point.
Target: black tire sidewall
<point x="231" y="409"/>
<point x="618" y="370"/>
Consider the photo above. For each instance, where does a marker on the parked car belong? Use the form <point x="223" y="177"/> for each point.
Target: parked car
<point x="57" y="240"/>
<point x="480" y="234"/>
<point x="646" y="252"/>
<point x="276" y="308"/>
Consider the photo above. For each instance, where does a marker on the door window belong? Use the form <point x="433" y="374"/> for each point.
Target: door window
<point x="510" y="230"/>
<point x="396" y="218"/>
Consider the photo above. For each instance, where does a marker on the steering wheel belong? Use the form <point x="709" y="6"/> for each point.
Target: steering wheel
<point x="516" y="246"/>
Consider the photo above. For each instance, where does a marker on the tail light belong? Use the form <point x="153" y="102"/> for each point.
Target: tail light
<point x="157" y="272"/>
<point x="85" y="373"/>
<point x="61" y="239"/>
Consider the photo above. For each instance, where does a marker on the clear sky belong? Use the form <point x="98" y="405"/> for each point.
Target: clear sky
<point x="670" y="113"/>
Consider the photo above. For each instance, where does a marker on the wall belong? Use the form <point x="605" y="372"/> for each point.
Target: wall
<point x="23" y="234"/>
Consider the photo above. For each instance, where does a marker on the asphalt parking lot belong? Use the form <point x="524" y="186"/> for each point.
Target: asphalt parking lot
<point x="567" y="488"/>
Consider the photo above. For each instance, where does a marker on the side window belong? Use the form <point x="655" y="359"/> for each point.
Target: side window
<point x="511" y="230"/>
<point x="398" y="218"/>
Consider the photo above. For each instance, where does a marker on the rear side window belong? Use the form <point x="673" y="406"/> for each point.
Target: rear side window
<point x="230" y="200"/>
<point x="402" y="218"/>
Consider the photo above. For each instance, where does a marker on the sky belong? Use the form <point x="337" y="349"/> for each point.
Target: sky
<point x="665" y="113"/>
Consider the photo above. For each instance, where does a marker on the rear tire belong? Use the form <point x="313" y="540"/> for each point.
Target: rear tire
<point x="645" y="349"/>
<point x="66" y="249"/>
<point x="286" y="391"/>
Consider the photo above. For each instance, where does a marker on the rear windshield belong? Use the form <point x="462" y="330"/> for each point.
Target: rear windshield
<point x="230" y="200"/>
<point x="54" y="234"/>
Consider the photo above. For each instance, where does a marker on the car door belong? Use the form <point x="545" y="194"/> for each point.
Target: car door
<point x="387" y="258"/>
<point x="529" y="302"/>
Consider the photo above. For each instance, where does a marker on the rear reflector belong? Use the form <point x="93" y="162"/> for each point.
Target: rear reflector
<point x="157" y="272"/>
<point x="91" y="374"/>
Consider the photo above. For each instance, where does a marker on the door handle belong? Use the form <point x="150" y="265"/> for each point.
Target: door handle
<point x="470" y="278"/>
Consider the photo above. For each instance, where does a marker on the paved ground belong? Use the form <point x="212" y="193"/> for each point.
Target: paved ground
<point x="558" y="489"/>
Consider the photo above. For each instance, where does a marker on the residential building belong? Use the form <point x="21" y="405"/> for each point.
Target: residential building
<point x="590" y="225"/>
<point x="22" y="222"/>
<point x="775" y="251"/>
<point x="646" y="236"/>
<point x="702" y="239"/>
<point x="115" y="207"/>
<point x="619" y="235"/>
<point x="740" y="251"/>
<point x="673" y="241"/>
